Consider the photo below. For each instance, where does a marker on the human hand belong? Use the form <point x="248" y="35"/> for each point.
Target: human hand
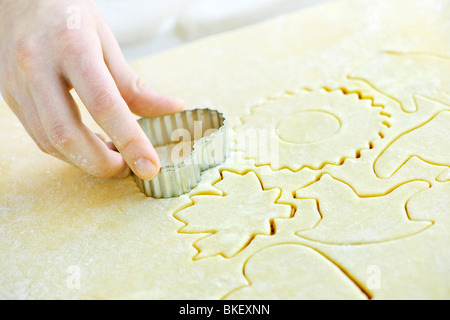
<point x="43" y="56"/>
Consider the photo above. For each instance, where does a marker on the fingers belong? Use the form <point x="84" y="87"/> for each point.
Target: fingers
<point x="98" y="91"/>
<point x="25" y="110"/>
<point x="15" y="107"/>
<point x="94" y="65"/>
<point x="67" y="134"/>
<point x="48" y="60"/>
<point x="141" y="99"/>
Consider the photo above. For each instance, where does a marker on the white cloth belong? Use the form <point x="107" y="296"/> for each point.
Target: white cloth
<point x="143" y="27"/>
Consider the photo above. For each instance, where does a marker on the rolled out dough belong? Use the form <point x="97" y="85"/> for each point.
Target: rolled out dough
<point x="350" y="202"/>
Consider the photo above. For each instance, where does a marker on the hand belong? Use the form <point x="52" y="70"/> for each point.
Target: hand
<point x="44" y="54"/>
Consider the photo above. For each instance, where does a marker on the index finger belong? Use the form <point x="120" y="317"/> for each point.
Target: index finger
<point x="97" y="89"/>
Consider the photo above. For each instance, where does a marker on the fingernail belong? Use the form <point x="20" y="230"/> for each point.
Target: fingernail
<point x="145" y="169"/>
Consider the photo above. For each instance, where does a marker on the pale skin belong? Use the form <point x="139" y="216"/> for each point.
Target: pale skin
<point x="43" y="57"/>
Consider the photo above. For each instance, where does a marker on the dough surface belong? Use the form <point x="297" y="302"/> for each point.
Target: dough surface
<point x="345" y="196"/>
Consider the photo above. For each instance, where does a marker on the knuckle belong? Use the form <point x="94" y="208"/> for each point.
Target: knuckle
<point x="26" y="51"/>
<point x="72" y="47"/>
<point x="129" y="144"/>
<point x="105" y="170"/>
<point x="47" y="147"/>
<point x="104" y="173"/>
<point x="41" y="139"/>
<point x="104" y="103"/>
<point x="60" y="137"/>
<point x="130" y="86"/>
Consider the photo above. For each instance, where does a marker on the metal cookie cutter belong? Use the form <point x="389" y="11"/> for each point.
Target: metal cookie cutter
<point x="210" y="148"/>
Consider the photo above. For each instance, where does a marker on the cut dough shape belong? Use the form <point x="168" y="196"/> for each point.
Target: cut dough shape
<point x="292" y="272"/>
<point x="367" y="183"/>
<point x="402" y="76"/>
<point x="309" y="129"/>
<point x="270" y="179"/>
<point x="350" y="219"/>
<point x="233" y="219"/>
<point x="428" y="142"/>
<point x="361" y="173"/>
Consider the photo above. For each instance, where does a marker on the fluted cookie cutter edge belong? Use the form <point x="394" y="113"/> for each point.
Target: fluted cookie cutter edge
<point x="207" y="152"/>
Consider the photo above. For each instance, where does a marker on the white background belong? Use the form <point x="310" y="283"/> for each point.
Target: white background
<point x="143" y="27"/>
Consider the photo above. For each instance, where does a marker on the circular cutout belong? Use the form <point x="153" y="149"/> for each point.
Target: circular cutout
<point x="308" y="127"/>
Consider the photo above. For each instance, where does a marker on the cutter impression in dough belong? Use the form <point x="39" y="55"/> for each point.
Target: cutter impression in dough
<point x="207" y="152"/>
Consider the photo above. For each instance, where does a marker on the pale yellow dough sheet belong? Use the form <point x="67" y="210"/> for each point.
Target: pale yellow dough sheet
<point x="352" y="201"/>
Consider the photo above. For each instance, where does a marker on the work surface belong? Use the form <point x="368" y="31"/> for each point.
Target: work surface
<point x="354" y="202"/>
